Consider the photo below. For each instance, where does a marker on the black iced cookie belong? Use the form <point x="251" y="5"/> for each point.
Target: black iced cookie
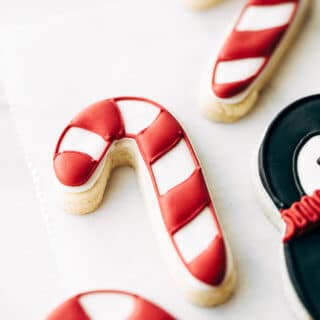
<point x="289" y="172"/>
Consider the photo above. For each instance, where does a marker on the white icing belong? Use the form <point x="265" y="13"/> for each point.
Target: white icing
<point x="102" y="306"/>
<point x="173" y="167"/>
<point x="237" y="70"/>
<point x="85" y="141"/>
<point x="207" y="97"/>
<point x="137" y="115"/>
<point x="265" y="17"/>
<point x="196" y="236"/>
<point x="307" y="167"/>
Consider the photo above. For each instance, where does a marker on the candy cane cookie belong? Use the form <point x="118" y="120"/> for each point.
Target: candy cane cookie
<point x="141" y="133"/>
<point x="287" y="171"/>
<point x="108" y="304"/>
<point x="248" y="57"/>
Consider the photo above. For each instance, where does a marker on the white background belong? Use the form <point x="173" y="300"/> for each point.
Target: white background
<point x="66" y="54"/>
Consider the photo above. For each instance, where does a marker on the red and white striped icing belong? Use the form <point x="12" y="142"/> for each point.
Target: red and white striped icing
<point x="178" y="183"/>
<point x="251" y="45"/>
<point x="108" y="304"/>
<point x="302" y="215"/>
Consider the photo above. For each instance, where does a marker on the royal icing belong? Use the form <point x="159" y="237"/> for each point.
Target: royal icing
<point x="108" y="304"/>
<point x="173" y="168"/>
<point x="288" y="170"/>
<point x="236" y="70"/>
<point x="179" y="161"/>
<point x="308" y="165"/>
<point x="137" y="115"/>
<point x="301" y="216"/>
<point x="261" y="17"/>
<point x="201" y="229"/>
<point x="84" y="141"/>
<point x="251" y="45"/>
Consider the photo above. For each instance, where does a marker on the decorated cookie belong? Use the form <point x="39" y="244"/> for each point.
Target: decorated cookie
<point x="249" y="56"/>
<point x="199" y="4"/>
<point x="108" y="304"/>
<point x="289" y="186"/>
<point x="141" y="133"/>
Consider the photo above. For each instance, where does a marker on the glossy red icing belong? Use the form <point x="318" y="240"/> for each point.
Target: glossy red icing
<point x="74" y="168"/>
<point x="184" y="202"/>
<point x="160" y="137"/>
<point x="302" y="216"/>
<point x="215" y="257"/>
<point x="231" y="89"/>
<point x="249" y="44"/>
<point x="143" y="309"/>
<point x="147" y="310"/>
<point x="180" y="204"/>
<point x="103" y="118"/>
<point x="69" y="310"/>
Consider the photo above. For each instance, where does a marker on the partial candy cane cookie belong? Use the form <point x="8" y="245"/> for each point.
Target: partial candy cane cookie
<point x="108" y="304"/>
<point x="249" y="56"/>
<point x="287" y="178"/>
<point x="200" y="4"/>
<point x="141" y="133"/>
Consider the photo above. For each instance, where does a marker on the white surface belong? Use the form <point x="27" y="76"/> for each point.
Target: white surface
<point x="308" y="168"/>
<point x="237" y="70"/>
<point x="77" y="139"/>
<point x="265" y="17"/>
<point x="103" y="306"/>
<point x="28" y="277"/>
<point x="196" y="236"/>
<point x="68" y="62"/>
<point x="173" y="167"/>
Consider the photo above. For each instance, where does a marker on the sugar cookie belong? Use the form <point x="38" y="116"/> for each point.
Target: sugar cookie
<point x="249" y="56"/>
<point x="141" y="133"/>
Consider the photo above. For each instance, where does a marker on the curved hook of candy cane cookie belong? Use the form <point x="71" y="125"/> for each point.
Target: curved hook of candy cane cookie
<point x="247" y="59"/>
<point x="141" y="133"/>
<point x="108" y="304"/>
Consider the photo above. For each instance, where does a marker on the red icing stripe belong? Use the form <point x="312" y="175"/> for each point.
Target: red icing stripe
<point x="103" y="118"/>
<point x="184" y="202"/>
<point x="215" y="257"/>
<point x="73" y="168"/>
<point x="249" y="44"/>
<point x="163" y="134"/>
<point x="143" y="309"/>
<point x="230" y="89"/>
<point x="147" y="310"/>
<point x="69" y="310"/>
